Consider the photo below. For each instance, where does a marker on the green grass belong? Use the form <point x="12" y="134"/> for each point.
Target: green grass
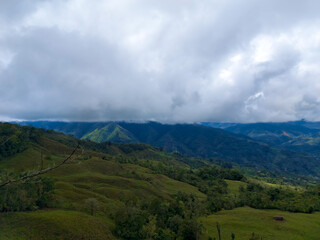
<point x="90" y="176"/>
<point x="275" y="185"/>
<point x="54" y="224"/>
<point x="105" y="180"/>
<point x="111" y="132"/>
<point x="243" y="221"/>
<point x="108" y="181"/>
<point x="234" y="186"/>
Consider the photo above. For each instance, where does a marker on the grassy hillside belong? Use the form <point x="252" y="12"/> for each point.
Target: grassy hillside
<point x="244" y="221"/>
<point x="95" y="174"/>
<point x="102" y="176"/>
<point x="54" y="224"/>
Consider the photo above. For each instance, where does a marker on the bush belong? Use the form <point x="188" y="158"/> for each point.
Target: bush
<point x="26" y="196"/>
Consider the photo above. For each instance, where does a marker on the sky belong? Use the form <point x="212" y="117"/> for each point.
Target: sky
<point x="167" y="61"/>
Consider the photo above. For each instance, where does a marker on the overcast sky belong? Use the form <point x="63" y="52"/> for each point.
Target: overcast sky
<point x="162" y="60"/>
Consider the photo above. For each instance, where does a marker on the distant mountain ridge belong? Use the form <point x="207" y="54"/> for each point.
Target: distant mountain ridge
<point x="299" y="135"/>
<point x="193" y="140"/>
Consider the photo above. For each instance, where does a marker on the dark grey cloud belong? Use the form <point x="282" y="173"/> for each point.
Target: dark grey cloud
<point x="180" y="61"/>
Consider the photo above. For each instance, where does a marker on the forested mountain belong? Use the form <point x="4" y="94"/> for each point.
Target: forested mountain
<point x="112" y="132"/>
<point x="76" y="129"/>
<point x="273" y="133"/>
<point x="299" y="135"/>
<point x="198" y="141"/>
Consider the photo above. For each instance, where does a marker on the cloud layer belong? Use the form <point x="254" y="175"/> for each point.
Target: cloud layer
<point x="169" y="61"/>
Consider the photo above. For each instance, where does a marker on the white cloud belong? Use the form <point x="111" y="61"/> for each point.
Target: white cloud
<point x="180" y="61"/>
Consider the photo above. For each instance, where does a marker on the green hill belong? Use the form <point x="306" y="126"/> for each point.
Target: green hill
<point x="111" y="132"/>
<point x="108" y="178"/>
<point x="245" y="221"/>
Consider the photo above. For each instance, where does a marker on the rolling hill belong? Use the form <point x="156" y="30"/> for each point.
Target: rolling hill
<point x="111" y="191"/>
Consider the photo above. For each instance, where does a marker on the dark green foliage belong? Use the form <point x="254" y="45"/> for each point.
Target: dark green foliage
<point x="26" y="196"/>
<point x="160" y="220"/>
<point x="191" y="229"/>
<point x="209" y="180"/>
<point x="129" y="223"/>
<point x="261" y="197"/>
<point x="211" y="173"/>
<point x="15" y="139"/>
<point x="164" y="234"/>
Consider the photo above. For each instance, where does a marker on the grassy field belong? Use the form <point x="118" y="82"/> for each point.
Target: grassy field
<point x="244" y="221"/>
<point x="54" y="224"/>
<point x="234" y="186"/>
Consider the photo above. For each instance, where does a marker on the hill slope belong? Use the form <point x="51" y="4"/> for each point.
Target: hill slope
<point x="245" y="221"/>
<point x="196" y="140"/>
<point x="299" y="136"/>
<point x="110" y="177"/>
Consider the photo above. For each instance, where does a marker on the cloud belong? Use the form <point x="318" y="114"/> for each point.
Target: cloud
<point x="185" y="61"/>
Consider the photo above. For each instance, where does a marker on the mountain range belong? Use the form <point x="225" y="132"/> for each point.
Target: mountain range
<point x="262" y="146"/>
<point x="298" y="135"/>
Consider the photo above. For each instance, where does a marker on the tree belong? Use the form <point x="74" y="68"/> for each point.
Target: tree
<point x="129" y="223"/>
<point x="192" y="228"/>
<point x="92" y="205"/>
